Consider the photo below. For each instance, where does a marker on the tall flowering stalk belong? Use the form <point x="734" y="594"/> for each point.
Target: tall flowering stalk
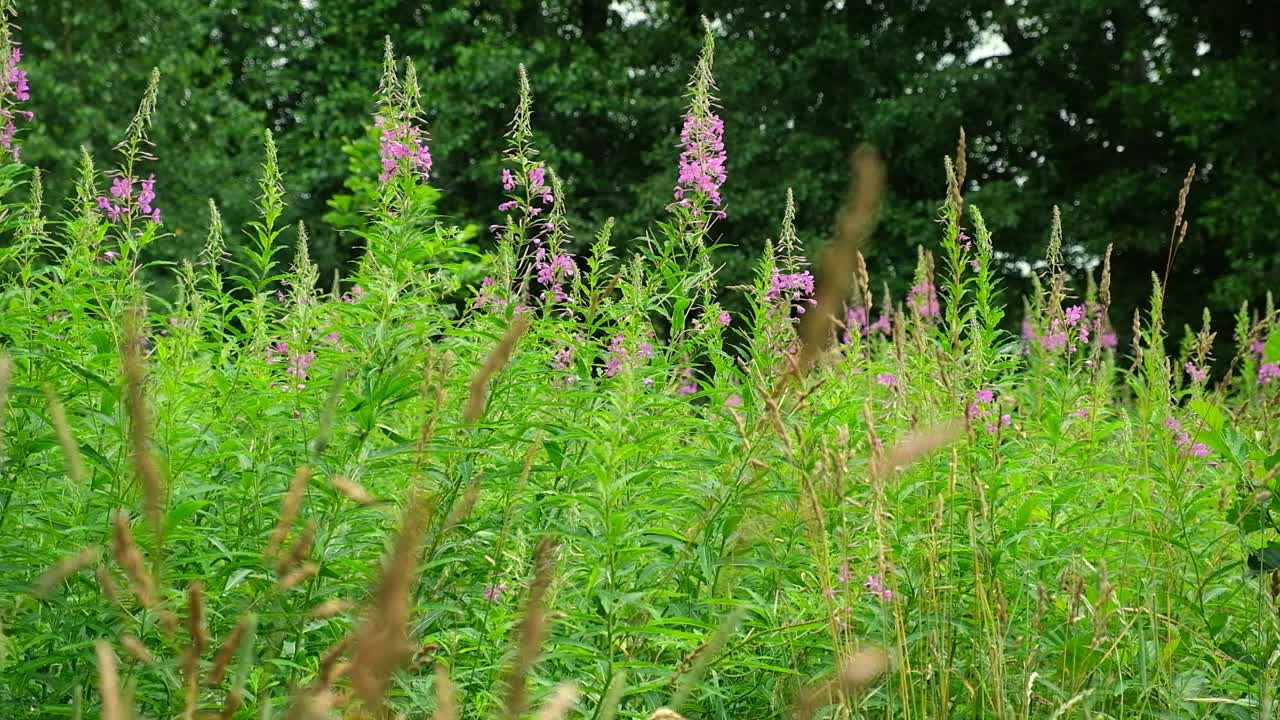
<point x="14" y="88"/>
<point x="702" y="155"/>
<point x="923" y="297"/>
<point x="533" y="235"/>
<point x="131" y="199"/>
<point x="403" y="149"/>
<point x="790" y="286"/>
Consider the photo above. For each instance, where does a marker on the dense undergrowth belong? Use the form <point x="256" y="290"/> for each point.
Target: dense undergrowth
<point x="592" y="474"/>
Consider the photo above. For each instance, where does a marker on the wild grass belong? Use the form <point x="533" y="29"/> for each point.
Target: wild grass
<point x="583" y="490"/>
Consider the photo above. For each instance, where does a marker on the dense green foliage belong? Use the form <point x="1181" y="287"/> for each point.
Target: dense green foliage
<point x="198" y="485"/>
<point x="1096" y="106"/>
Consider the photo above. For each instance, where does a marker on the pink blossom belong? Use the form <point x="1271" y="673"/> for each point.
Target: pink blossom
<point x="1268" y="372"/>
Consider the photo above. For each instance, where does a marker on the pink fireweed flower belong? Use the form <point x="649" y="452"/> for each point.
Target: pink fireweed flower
<point x="966" y="242"/>
<point x="147" y="195"/>
<point x="1196" y="374"/>
<point x="16" y="77"/>
<point x="855" y="318"/>
<point x="887" y="379"/>
<point x="122" y="188"/>
<point x="354" y="294"/>
<point x="553" y="273"/>
<point x="1054" y="341"/>
<point x="1074" y="315"/>
<point x="924" y="300"/>
<point x="14" y="88"/>
<point x="734" y="400"/>
<point x="702" y="160"/>
<point x="617" y="355"/>
<point x="1108" y="340"/>
<point x="487" y="296"/>
<point x="402" y="147"/>
<point x="299" y="364"/>
<point x="508" y="180"/>
<point x="875" y="586"/>
<point x="1199" y="450"/>
<point x="563" y="358"/>
<point x="537" y="177"/>
<point x="493" y="592"/>
<point x="1268" y="372"/>
<point x="276" y="350"/>
<point x="110" y="256"/>
<point x="724" y="318"/>
<point x="983" y="406"/>
<point x="1258" y="347"/>
<point x="796" y="288"/>
<point x="124" y="206"/>
<point x="687" y="384"/>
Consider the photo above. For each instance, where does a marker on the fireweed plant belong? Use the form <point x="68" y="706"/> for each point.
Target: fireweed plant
<point x="273" y="497"/>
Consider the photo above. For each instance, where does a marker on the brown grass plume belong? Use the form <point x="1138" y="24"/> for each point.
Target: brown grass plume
<point x="382" y="639"/>
<point x="497" y="359"/>
<point x="835" y="269"/>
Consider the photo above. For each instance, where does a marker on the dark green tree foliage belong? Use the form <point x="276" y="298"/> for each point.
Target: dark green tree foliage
<point x="1099" y="107"/>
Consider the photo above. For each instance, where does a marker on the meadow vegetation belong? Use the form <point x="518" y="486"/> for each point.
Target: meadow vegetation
<point x="583" y="489"/>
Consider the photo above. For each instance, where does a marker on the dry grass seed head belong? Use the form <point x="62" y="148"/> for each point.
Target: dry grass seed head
<point x="145" y="465"/>
<point x="497" y="359"/>
<point x="195" y="617"/>
<point x="297" y="576"/>
<point x="331" y="665"/>
<point x="856" y="222"/>
<point x="696" y="664"/>
<point x="64" y="569"/>
<point x="915" y="445"/>
<point x="62" y="429"/>
<point x="855" y="675"/>
<point x="530" y="632"/>
<point x="113" y="707"/>
<point x="106" y="584"/>
<point x="289" y="507"/>
<point x="446" y="696"/>
<point x="137" y="649"/>
<point x="298" y="552"/>
<point x="353" y="490"/>
<point x="560" y="704"/>
<point x="226" y="651"/>
<point x="129" y="557"/>
<point x="463" y="508"/>
<point x="382" y="640"/>
<point x="331" y="608"/>
<point x="235" y="699"/>
<point x="311" y="706"/>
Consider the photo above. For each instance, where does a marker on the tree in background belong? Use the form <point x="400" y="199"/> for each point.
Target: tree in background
<point x="1099" y="107"/>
